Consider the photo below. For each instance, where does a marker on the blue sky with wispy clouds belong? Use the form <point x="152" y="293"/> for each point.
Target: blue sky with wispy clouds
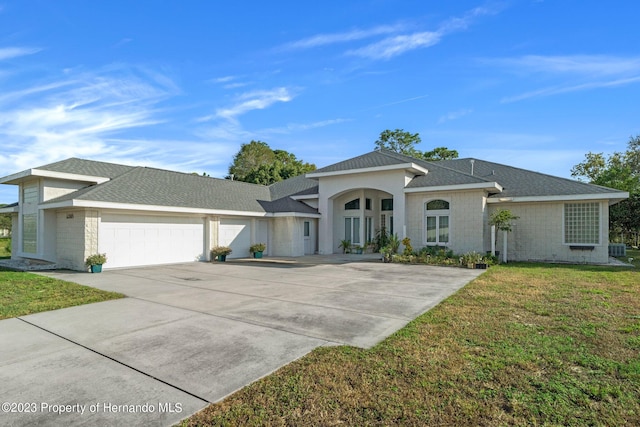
<point x="180" y="85"/>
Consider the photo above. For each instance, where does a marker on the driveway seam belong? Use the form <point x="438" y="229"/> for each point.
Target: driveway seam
<point x="286" y="300"/>
<point x="116" y="360"/>
<point x="248" y="322"/>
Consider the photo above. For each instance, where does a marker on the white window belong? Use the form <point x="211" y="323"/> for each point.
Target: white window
<point x="436" y="222"/>
<point x="352" y="229"/>
<point x="368" y="228"/>
<point x="307" y="229"/>
<point x="30" y="233"/>
<point x="582" y="223"/>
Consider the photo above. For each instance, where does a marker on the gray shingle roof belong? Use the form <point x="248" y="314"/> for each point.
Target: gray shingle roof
<point x="369" y="160"/>
<point x="87" y="167"/>
<point x="296" y="186"/>
<point x="157" y="187"/>
<point x="518" y="182"/>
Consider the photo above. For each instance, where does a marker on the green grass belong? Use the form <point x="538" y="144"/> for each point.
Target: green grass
<point x="633" y="254"/>
<point x="27" y="293"/>
<point x="524" y="344"/>
<point x="5" y="247"/>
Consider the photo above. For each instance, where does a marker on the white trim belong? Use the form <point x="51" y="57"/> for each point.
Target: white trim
<point x="457" y="187"/>
<point x="52" y="174"/>
<point x="169" y="209"/>
<point x="294" y="214"/>
<point x="306" y="197"/>
<point x="9" y="209"/>
<point x="412" y="167"/>
<point x="560" y="198"/>
<point x="435" y="213"/>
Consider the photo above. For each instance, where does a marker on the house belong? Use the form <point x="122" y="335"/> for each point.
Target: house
<point x="144" y="216"/>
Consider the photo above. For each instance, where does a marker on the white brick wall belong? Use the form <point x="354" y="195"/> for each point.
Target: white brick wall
<point x="467" y="210"/>
<point x="538" y="234"/>
<point x="77" y="238"/>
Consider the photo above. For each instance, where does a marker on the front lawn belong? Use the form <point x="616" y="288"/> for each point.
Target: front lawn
<point x="27" y="293"/>
<point x="524" y="344"/>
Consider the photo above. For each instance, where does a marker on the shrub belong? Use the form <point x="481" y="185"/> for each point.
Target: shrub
<point x="257" y="247"/>
<point x="96" y="259"/>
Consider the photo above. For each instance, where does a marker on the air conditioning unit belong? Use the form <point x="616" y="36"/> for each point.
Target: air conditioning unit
<point x="617" y="249"/>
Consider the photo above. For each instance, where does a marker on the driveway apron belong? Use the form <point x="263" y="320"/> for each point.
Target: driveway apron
<point x="191" y="334"/>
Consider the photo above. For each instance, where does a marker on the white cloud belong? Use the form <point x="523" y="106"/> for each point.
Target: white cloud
<point x="589" y="65"/>
<point x="570" y="88"/>
<point x="255" y="100"/>
<point x="399" y="44"/>
<point x="454" y="115"/>
<point x="573" y="73"/>
<point x="14" y="52"/>
<point x="77" y="115"/>
<point x="299" y="127"/>
<point x="334" y="38"/>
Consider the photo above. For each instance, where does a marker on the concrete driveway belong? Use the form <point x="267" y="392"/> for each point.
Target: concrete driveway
<point x="191" y="334"/>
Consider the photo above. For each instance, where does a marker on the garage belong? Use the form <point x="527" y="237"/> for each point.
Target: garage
<point x="135" y="240"/>
<point x="235" y="233"/>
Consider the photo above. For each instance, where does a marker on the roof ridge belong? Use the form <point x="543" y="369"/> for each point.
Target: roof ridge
<point x="204" y="177"/>
<point x="574" y="181"/>
<point x="430" y="163"/>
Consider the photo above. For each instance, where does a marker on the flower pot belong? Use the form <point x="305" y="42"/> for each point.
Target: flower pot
<point x="96" y="268"/>
<point x="257" y="254"/>
<point x="481" y="266"/>
<point x="222" y="258"/>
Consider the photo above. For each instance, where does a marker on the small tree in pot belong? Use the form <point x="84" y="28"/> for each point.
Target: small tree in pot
<point x="95" y="261"/>
<point x="502" y="220"/>
<point x="220" y="252"/>
<point x="257" y="249"/>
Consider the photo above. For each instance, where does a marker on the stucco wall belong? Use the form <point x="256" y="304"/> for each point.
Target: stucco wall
<point x="332" y="187"/>
<point x="52" y="188"/>
<point x="466" y="228"/>
<point x="76" y="238"/>
<point x="538" y="234"/>
<point x="339" y="214"/>
<point x="286" y="237"/>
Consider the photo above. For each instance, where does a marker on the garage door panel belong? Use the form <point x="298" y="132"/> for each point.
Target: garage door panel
<point x="236" y="234"/>
<point x="146" y="240"/>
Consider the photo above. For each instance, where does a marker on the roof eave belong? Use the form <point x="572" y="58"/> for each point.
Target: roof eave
<point x="488" y="186"/>
<point x="410" y="167"/>
<point x="9" y="209"/>
<point x="75" y="203"/>
<point x="613" y="198"/>
<point x="19" y="177"/>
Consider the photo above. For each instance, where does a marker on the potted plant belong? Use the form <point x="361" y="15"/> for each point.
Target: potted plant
<point x="386" y="252"/>
<point x="220" y="252"/>
<point x="257" y="249"/>
<point x="357" y="249"/>
<point x="345" y="245"/>
<point x="95" y="261"/>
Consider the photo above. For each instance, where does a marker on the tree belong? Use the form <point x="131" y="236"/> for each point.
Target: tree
<point x="440" y="153"/>
<point x="622" y="172"/>
<point x="399" y="141"/>
<point x="403" y="142"/>
<point x="257" y="163"/>
<point x="5" y="220"/>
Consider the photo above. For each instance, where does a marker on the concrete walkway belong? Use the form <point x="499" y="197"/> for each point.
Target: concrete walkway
<point x="190" y="334"/>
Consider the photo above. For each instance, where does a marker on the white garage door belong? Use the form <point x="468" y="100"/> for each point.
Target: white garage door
<point x="235" y="233"/>
<point x="133" y="240"/>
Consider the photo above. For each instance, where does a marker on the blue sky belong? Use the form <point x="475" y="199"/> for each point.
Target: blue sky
<point x="180" y="85"/>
